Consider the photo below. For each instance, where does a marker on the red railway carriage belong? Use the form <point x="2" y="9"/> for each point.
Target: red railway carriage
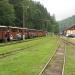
<point x="24" y="32"/>
<point x="18" y="33"/>
<point x="40" y="33"/>
<point x="45" y="33"/>
<point x="8" y="33"/>
<point x="32" y="33"/>
<point x="3" y="30"/>
<point x="14" y="32"/>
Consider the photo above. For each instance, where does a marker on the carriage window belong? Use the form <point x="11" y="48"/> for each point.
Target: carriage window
<point x="20" y="30"/>
<point x="0" y="29"/>
<point x="14" y="30"/>
<point x="3" y="29"/>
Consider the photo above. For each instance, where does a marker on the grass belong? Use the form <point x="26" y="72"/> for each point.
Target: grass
<point x="70" y="39"/>
<point x="31" y="60"/>
<point x="14" y="47"/>
<point x="14" y="42"/>
<point x="70" y="61"/>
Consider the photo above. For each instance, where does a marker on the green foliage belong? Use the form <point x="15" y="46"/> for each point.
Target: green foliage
<point x="26" y="13"/>
<point x="67" y="22"/>
<point x="7" y="16"/>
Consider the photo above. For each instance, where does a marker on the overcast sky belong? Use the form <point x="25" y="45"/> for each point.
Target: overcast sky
<point x="61" y="8"/>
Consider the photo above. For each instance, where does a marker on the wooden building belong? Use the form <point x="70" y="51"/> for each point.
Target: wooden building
<point x="69" y="30"/>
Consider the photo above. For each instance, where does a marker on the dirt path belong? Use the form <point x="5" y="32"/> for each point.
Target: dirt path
<point x="55" y="66"/>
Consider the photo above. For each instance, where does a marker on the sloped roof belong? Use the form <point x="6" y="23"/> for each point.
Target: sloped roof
<point x="70" y="28"/>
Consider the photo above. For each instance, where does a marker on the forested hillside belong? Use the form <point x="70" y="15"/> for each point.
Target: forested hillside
<point x="26" y="13"/>
<point x="67" y="22"/>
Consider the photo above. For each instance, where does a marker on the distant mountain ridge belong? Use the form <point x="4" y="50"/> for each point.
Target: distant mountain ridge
<point x="66" y="23"/>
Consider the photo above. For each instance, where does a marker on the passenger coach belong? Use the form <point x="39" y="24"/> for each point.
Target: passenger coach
<point x="3" y="30"/>
<point x="8" y="33"/>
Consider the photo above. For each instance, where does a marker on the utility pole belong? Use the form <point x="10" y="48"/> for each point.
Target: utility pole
<point x="23" y="17"/>
<point x="23" y="36"/>
<point x="24" y="21"/>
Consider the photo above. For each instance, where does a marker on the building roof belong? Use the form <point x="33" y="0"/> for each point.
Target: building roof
<point x="70" y="28"/>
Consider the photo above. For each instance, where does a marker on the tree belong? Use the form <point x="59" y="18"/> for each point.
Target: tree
<point x="27" y="13"/>
<point x="20" y="7"/>
<point x="7" y="16"/>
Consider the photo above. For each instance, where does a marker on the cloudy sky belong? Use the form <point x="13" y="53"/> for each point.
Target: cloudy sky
<point x="61" y="8"/>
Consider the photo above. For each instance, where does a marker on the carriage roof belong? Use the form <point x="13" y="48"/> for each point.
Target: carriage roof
<point x="3" y="26"/>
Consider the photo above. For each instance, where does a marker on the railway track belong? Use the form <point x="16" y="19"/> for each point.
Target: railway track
<point x="13" y="52"/>
<point x="55" y="65"/>
<point x="11" y="43"/>
<point x="68" y="43"/>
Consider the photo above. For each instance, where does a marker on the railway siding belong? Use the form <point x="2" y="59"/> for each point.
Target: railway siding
<point x="69" y="66"/>
<point x="23" y="62"/>
<point x="14" y="51"/>
<point x="55" y="66"/>
<point x="19" y="41"/>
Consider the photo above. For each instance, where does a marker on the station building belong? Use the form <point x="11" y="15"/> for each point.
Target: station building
<point x="69" y="30"/>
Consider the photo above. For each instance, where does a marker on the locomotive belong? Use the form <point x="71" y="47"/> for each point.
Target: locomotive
<point x="8" y="33"/>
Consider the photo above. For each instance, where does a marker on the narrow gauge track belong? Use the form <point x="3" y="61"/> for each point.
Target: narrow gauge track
<point x="15" y="42"/>
<point x="68" y="42"/>
<point x="56" y="64"/>
<point x="3" y="55"/>
<point x="13" y="52"/>
<point x="6" y="54"/>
